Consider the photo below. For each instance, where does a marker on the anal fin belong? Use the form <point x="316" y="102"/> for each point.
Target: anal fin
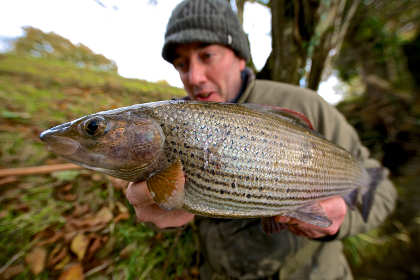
<point x="311" y="214"/>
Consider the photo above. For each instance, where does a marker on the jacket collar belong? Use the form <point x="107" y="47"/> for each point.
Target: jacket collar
<point x="248" y="83"/>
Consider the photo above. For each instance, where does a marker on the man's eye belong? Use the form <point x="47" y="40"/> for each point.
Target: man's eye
<point x="206" y="55"/>
<point x="180" y="66"/>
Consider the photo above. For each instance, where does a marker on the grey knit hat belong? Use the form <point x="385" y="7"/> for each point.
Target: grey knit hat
<point x="206" y="21"/>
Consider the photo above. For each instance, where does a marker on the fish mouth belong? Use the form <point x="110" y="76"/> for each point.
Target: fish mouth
<point x="59" y="144"/>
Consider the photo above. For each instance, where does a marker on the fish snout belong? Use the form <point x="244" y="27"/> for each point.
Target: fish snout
<point x="54" y="130"/>
<point x="57" y="143"/>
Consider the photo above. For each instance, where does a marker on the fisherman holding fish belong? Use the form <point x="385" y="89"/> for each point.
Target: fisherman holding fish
<point x="207" y="46"/>
<point x="272" y="175"/>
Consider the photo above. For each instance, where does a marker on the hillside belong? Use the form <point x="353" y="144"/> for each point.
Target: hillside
<point x="77" y="222"/>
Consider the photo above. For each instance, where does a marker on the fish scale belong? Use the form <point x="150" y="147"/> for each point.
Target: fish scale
<point x="239" y="160"/>
<point x="260" y="154"/>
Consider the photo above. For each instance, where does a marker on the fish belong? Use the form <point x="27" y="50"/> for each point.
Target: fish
<point x="239" y="160"/>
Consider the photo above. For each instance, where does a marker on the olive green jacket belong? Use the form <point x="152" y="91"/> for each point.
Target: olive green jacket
<point x="239" y="249"/>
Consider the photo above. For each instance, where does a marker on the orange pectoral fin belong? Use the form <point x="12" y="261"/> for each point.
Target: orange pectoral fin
<point x="167" y="187"/>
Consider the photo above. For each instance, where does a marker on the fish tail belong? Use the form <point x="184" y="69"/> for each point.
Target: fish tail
<point x="363" y="198"/>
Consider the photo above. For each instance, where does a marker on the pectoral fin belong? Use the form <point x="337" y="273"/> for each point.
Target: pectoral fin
<point x="167" y="187"/>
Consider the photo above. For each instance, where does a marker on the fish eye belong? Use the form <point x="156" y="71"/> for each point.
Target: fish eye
<point x="94" y="126"/>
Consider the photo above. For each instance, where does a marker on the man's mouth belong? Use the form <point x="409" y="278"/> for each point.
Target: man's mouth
<point x="208" y="96"/>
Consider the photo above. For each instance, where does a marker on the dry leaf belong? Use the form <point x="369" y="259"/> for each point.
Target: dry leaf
<point x="63" y="263"/>
<point x="79" y="210"/>
<point x="128" y="250"/>
<point x="3" y="213"/>
<point x="35" y="259"/>
<point x="96" y="245"/>
<point x="79" y="245"/>
<point x="74" y="272"/>
<point x="52" y="239"/>
<point x="97" y="177"/>
<point x="103" y="216"/>
<point x="122" y="216"/>
<point x="8" y="180"/>
<point x="67" y="188"/>
<point x="57" y="255"/>
<point x="12" y="271"/>
<point x="121" y="207"/>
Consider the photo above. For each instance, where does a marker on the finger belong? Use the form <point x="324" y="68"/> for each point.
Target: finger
<point x="281" y="219"/>
<point x="138" y="194"/>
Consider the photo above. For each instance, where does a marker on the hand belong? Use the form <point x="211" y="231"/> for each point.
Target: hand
<point x="148" y="211"/>
<point x="334" y="208"/>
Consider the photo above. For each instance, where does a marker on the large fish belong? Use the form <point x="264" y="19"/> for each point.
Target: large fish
<point x="239" y="160"/>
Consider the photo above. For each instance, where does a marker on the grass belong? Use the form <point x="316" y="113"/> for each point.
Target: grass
<point x="35" y="210"/>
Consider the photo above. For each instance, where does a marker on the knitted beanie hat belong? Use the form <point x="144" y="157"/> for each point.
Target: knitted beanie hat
<point x="206" y="21"/>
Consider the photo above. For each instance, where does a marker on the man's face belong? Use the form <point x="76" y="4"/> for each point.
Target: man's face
<point x="209" y="72"/>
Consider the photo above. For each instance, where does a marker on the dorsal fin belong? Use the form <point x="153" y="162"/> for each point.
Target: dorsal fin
<point x="296" y="116"/>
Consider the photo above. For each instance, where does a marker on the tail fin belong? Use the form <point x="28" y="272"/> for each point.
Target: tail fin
<point x="375" y="176"/>
<point x="363" y="198"/>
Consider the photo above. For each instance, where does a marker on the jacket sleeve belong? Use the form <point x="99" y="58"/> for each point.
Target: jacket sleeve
<point x="332" y="124"/>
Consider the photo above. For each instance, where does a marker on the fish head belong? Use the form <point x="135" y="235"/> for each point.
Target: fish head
<point x="124" y="145"/>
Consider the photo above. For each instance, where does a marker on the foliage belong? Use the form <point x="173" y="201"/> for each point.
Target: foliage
<point x="50" y="45"/>
<point x="304" y="33"/>
<point x="380" y="53"/>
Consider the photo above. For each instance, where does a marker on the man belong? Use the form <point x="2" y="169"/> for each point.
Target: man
<point x="207" y="46"/>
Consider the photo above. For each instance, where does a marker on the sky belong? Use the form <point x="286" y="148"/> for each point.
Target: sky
<point x="130" y="32"/>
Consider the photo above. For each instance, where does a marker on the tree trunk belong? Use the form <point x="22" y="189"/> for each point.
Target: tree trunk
<point x="303" y="33"/>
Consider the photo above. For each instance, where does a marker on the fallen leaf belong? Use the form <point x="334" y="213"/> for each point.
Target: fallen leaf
<point x="107" y="248"/>
<point x="35" y="259"/>
<point x="45" y="234"/>
<point x="67" y="188"/>
<point x="79" y="210"/>
<point x="65" y="193"/>
<point x="103" y="216"/>
<point x="12" y="271"/>
<point x="3" y="213"/>
<point x="95" y="246"/>
<point x="97" y="177"/>
<point x="68" y="197"/>
<point x="195" y="271"/>
<point x="63" y="263"/>
<point x="74" y="272"/>
<point x="57" y="255"/>
<point x="122" y="216"/>
<point x="128" y="250"/>
<point x="53" y="239"/>
<point x="21" y="207"/>
<point x="8" y="180"/>
<point x="79" y="245"/>
<point x="121" y="207"/>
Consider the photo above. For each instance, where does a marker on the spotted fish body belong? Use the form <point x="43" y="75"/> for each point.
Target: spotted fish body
<point x="239" y="160"/>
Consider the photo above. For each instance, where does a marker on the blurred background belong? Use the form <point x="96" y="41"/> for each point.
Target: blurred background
<point x="60" y="60"/>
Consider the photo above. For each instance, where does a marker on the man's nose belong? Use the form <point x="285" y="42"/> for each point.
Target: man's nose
<point x="196" y="73"/>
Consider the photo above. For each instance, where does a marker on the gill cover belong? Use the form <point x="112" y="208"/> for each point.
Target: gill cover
<point x="127" y="146"/>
